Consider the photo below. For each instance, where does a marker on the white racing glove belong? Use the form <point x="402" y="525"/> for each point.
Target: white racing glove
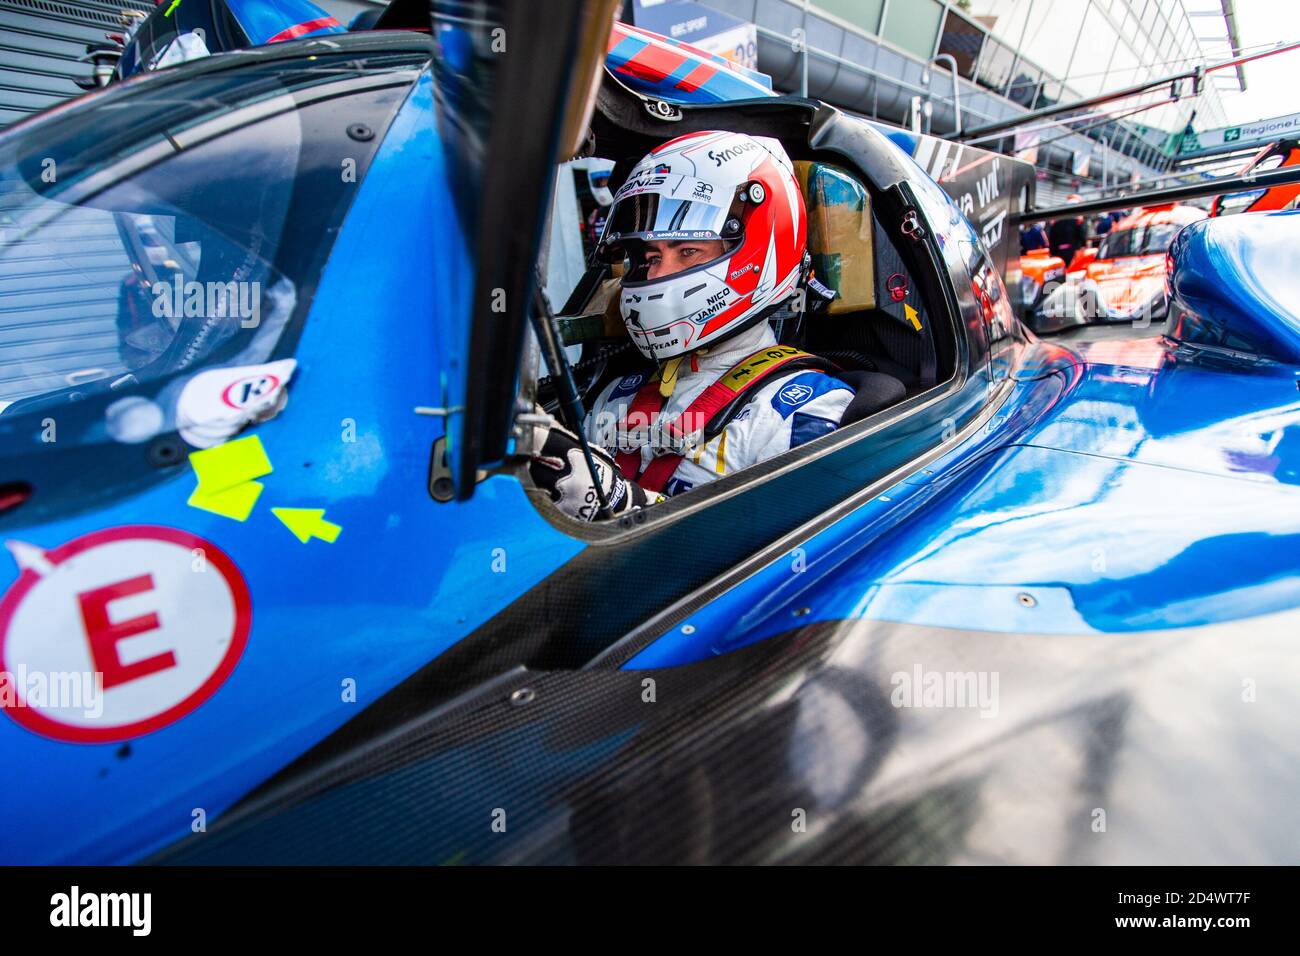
<point x="560" y="469"/>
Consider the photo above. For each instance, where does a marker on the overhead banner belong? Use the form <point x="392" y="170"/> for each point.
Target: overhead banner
<point x="1265" y="131"/>
<point x="701" y="26"/>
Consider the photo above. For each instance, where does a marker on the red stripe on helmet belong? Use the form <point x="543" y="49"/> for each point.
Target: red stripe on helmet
<point x="722" y="318"/>
<point x="672" y="143"/>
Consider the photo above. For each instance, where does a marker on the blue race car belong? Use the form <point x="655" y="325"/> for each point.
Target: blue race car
<point x="177" y="31"/>
<point x="278" y="587"/>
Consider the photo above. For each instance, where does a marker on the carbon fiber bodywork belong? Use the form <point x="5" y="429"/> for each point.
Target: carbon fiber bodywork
<point x="1116" y="749"/>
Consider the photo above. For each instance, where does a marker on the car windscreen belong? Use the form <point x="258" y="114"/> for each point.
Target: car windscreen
<point x="174" y="224"/>
<point x="1139" y="241"/>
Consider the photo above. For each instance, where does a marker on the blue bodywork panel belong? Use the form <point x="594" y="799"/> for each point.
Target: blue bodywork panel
<point x="407" y="577"/>
<point x="1238" y="283"/>
<point x="264" y="20"/>
<point x="1171" y="497"/>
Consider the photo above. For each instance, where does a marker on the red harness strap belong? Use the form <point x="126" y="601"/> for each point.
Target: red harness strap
<point x="658" y="472"/>
<point x="647" y="405"/>
<point x="642" y="412"/>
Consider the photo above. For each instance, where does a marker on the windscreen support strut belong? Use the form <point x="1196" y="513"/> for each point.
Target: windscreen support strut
<point x="571" y="411"/>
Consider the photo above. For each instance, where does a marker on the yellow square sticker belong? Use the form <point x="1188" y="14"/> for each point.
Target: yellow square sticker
<point x="235" y="502"/>
<point x="230" y="464"/>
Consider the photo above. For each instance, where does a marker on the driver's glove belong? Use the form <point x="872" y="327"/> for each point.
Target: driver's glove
<point x="560" y="469"/>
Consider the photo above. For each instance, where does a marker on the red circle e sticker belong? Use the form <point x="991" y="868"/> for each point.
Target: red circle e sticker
<point x="119" y="633"/>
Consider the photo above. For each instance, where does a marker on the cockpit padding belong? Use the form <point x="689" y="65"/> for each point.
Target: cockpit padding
<point x="592" y="313"/>
<point x="872" y="392"/>
<point x="840" y="239"/>
<point x="877" y="320"/>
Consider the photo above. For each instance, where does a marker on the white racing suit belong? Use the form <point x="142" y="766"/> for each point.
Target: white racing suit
<point x="785" y="411"/>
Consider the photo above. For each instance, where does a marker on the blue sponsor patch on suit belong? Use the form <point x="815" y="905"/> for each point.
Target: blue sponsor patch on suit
<point x="802" y="389"/>
<point x="628" y="385"/>
<point x="676" y="486"/>
<point x="804" y="428"/>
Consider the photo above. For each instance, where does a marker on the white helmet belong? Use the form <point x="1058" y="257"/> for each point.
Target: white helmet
<point x="708" y="186"/>
<point x="598" y="173"/>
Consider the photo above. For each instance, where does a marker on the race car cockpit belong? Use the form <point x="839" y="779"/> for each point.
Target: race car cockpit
<point x="860" y="315"/>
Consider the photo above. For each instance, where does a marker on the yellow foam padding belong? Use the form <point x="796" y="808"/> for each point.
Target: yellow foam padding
<point x="839" y="234"/>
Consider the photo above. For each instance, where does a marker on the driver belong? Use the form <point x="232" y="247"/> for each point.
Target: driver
<point x="712" y="228"/>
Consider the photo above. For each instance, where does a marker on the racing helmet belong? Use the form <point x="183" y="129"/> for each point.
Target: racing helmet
<point x="707" y="186"/>
<point x="598" y="173"/>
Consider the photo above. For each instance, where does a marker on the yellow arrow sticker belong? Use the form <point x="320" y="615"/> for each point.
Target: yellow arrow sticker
<point x="912" y="316"/>
<point x="308" y="523"/>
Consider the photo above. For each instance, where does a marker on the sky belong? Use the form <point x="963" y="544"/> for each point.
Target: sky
<point x="1272" y="87"/>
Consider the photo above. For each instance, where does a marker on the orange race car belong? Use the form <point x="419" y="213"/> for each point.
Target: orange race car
<point x="1043" y="269"/>
<point x="1124" y="281"/>
<point x="1039" y="271"/>
<point x="1285" y="152"/>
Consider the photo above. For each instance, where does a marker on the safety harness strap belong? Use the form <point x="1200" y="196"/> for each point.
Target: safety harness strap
<point x="736" y="381"/>
<point x="658" y="472"/>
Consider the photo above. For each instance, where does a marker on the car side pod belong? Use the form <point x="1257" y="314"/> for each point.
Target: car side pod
<point x="1235" y="284"/>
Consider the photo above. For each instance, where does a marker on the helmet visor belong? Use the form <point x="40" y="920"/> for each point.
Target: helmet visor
<point x="655" y="215"/>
